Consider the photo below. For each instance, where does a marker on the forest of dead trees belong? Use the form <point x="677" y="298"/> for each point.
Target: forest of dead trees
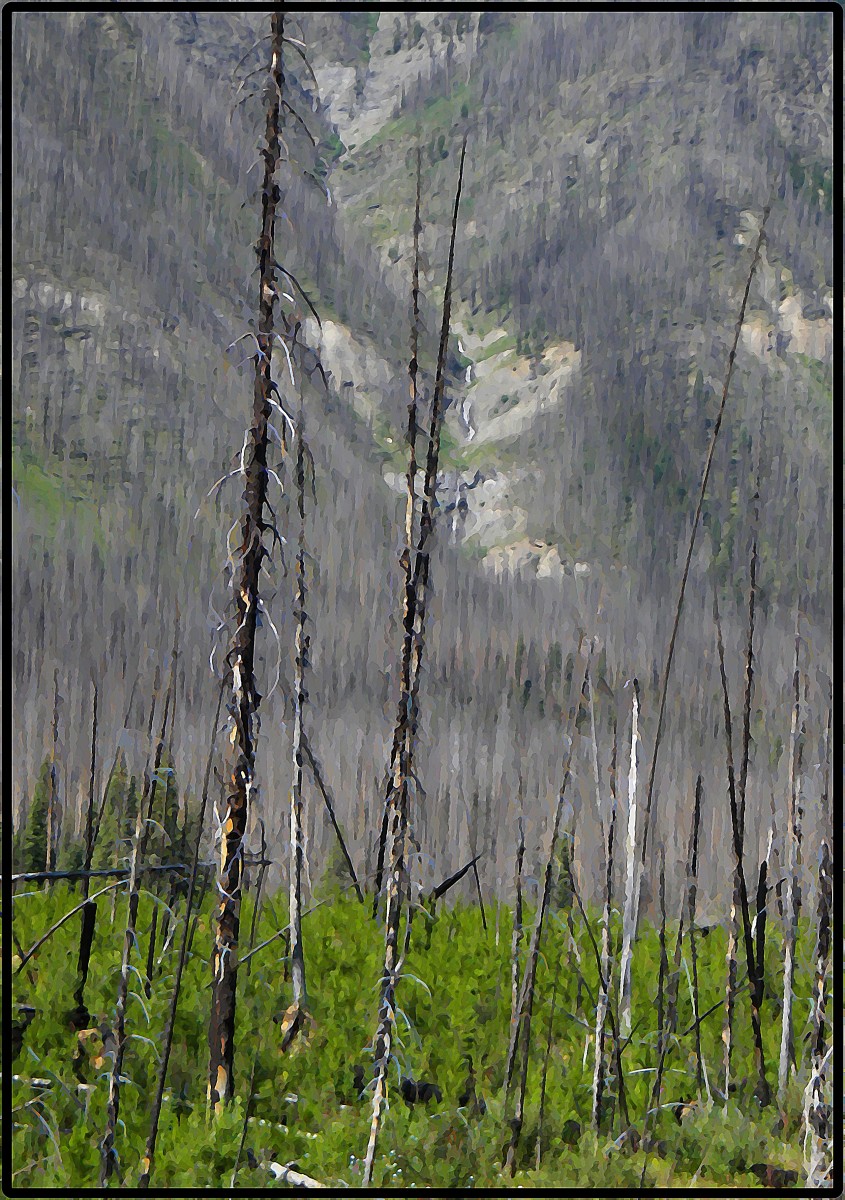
<point x="169" y="836"/>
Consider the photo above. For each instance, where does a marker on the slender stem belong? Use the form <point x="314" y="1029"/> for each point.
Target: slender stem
<point x="632" y="889"/>
<point x="664" y="686"/>
<point x="601" y="1007"/>
<point x="755" y="977"/>
<point x="414" y="613"/>
<point x="793" y="845"/>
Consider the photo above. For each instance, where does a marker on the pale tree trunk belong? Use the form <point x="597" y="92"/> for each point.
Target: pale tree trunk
<point x="793" y="900"/>
<point x="296" y="1012"/>
<point x="606" y="963"/>
<point x="632" y="874"/>
<point x="818" y="1124"/>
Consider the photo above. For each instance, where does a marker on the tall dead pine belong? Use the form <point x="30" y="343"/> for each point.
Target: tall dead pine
<point x="599" y="1070"/>
<point x="415" y="584"/>
<point x="818" y="1124"/>
<point x="632" y="880"/>
<point x="755" y="976"/>
<point x="705" y="476"/>
<point x="246" y="698"/>
<point x="79" y="1016"/>
<point x="793" y="900"/>
<point x="53" y="797"/>
<point x="297" y="1011"/>
<point x="399" y="765"/>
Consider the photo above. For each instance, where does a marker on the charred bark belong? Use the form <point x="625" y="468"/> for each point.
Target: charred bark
<point x="243" y="709"/>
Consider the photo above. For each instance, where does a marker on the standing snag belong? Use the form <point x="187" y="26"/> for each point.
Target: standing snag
<point x="793" y="896"/>
<point x="414" y="613"/>
<point x="256" y="522"/>
<point x="632" y="884"/>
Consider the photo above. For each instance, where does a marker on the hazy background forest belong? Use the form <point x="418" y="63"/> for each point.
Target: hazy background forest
<point x="617" y="168"/>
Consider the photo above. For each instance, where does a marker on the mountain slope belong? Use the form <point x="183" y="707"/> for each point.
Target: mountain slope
<point x="604" y="246"/>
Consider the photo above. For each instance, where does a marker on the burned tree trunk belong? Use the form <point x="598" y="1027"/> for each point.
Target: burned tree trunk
<point x="670" y="651"/>
<point x="79" y="1016"/>
<point x="516" y="937"/>
<point x="414" y="611"/>
<point x="53" y="798"/>
<point x="755" y="977"/>
<point x="245" y="700"/>
<point x="412" y="601"/>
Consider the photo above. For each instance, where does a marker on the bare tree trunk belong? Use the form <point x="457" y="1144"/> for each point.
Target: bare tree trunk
<point x="245" y="696"/>
<point x="632" y="882"/>
<point x="664" y="684"/>
<point x="414" y="612"/>
<point x="53" y="799"/>
<point x="297" y="829"/>
<point x="80" y="1016"/>
<point x="606" y="971"/>
<point x="793" y="901"/>
<point x="411" y="598"/>
<point x="730" y="986"/>
<point x="692" y="889"/>
<point x="755" y="977"/>
<point x="517" y="921"/>
<point x="818" y="1124"/>
<point x="663" y="965"/>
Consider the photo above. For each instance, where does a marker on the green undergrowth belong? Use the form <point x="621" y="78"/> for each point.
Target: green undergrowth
<point x="453" y="1001"/>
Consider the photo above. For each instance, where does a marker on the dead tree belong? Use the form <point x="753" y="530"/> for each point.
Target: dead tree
<point x="401" y="747"/>
<point x="297" y="1011"/>
<point x="53" y="797"/>
<point x="818" y="1124"/>
<point x="516" y="937"/>
<point x="413" y="625"/>
<point x="632" y="881"/>
<point x="79" y="1017"/>
<point x="755" y="976"/>
<point x="256" y="522"/>
<point x="793" y="899"/>
<point x="606" y="965"/>
<point x="705" y="476"/>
